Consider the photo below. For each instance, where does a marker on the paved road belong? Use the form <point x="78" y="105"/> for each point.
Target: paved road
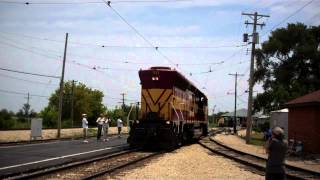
<point x="26" y="157"/>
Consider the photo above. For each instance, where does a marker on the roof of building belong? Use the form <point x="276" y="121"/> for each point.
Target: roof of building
<point x="240" y="113"/>
<point x="285" y="110"/>
<point x="306" y="100"/>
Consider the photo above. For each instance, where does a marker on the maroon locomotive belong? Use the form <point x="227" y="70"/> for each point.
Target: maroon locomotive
<point x="173" y="110"/>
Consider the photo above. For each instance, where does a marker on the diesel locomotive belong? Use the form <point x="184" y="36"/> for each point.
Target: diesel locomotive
<point x="173" y="110"/>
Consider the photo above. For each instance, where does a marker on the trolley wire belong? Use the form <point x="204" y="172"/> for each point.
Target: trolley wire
<point x="88" y="2"/>
<point x="21" y="93"/>
<point x="126" y="46"/>
<point x="26" y="80"/>
<point x="29" y="50"/>
<point x="33" y="74"/>
<point x="288" y="17"/>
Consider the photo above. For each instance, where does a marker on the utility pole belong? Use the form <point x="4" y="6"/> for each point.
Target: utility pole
<point x="61" y="88"/>
<point x="255" y="39"/>
<point x="72" y="104"/>
<point x="235" y="101"/>
<point x="123" y="94"/>
<point x="214" y="107"/>
<point x="137" y="111"/>
<point x="123" y="106"/>
<point x="28" y="106"/>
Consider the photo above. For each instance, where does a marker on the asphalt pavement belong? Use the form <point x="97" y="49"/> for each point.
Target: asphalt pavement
<point x="26" y="157"/>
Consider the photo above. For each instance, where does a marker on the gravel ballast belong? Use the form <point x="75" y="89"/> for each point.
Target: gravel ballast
<point x="189" y="162"/>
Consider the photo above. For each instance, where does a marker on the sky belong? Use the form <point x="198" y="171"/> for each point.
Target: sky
<point x="107" y="46"/>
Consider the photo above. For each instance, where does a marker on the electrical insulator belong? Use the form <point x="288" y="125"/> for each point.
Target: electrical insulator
<point x="245" y="37"/>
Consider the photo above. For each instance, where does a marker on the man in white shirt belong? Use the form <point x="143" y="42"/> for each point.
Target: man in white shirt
<point x="85" y="127"/>
<point x="105" y="128"/>
<point x="119" y="125"/>
<point x="99" y="121"/>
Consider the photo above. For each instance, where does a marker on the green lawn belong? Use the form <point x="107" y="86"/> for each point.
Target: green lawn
<point x="256" y="139"/>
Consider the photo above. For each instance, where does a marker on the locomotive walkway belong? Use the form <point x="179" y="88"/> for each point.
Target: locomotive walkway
<point x="236" y="142"/>
<point x="24" y="157"/>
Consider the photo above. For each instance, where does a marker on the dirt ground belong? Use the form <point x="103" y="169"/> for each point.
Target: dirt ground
<point x="24" y="135"/>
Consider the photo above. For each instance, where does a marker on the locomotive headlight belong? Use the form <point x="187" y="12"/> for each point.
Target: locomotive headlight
<point x="155" y="78"/>
<point x="137" y="122"/>
<point x="168" y="122"/>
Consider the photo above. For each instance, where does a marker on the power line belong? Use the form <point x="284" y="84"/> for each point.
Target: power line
<point x="89" y="2"/>
<point x="108" y="3"/>
<point x="132" y="27"/>
<point x="27" y="50"/>
<point x="128" y="46"/>
<point x="288" y="17"/>
<point x="34" y="74"/>
<point x="112" y="61"/>
<point x="30" y="81"/>
<point x="21" y="93"/>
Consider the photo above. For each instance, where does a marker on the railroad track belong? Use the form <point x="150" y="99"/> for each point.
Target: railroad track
<point x="91" y="168"/>
<point x="258" y="164"/>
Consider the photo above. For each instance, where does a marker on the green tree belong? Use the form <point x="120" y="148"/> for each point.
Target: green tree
<point x="6" y="119"/>
<point x="288" y="65"/>
<point x="25" y="112"/>
<point x="114" y="114"/>
<point x="86" y="100"/>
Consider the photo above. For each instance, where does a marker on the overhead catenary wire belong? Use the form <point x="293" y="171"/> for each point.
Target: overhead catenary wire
<point x="288" y="17"/>
<point x="127" y="46"/>
<point x="26" y="80"/>
<point x="29" y="50"/>
<point x="88" y="2"/>
<point x="21" y="93"/>
<point x="33" y="74"/>
<point x="108" y="3"/>
<point x="95" y="58"/>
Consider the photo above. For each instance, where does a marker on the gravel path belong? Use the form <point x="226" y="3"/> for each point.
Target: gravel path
<point x="189" y="162"/>
<point x="237" y="143"/>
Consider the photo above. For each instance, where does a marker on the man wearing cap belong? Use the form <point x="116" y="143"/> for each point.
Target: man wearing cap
<point x="276" y="149"/>
<point x="85" y="127"/>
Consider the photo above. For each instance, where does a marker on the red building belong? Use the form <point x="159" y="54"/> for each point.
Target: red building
<point x="304" y="121"/>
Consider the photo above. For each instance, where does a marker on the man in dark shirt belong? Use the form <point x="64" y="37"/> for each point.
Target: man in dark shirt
<point x="276" y="148"/>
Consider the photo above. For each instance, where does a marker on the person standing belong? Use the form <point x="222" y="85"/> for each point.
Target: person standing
<point x="85" y="127"/>
<point x="276" y="149"/>
<point x="105" y="128"/>
<point x="119" y="125"/>
<point x="100" y="124"/>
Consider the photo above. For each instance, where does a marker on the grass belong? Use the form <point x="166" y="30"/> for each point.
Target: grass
<point x="92" y="132"/>
<point x="256" y="139"/>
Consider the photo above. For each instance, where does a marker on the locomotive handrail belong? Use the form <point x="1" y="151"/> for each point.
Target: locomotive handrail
<point x="128" y="118"/>
<point x="176" y="113"/>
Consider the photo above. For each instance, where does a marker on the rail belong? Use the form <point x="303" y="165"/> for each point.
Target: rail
<point x="55" y="168"/>
<point x="256" y="162"/>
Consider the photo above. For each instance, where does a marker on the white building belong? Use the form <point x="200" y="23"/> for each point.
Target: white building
<point x="280" y="118"/>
